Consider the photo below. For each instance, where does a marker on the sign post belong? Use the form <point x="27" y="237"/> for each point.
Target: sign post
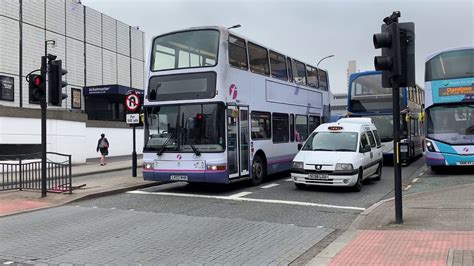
<point x="132" y="103"/>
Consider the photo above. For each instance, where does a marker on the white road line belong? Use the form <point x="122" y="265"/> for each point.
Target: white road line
<point x="289" y="180"/>
<point x="297" y="203"/>
<point x="8" y="262"/>
<point x="415" y="180"/>
<point x="241" y="194"/>
<point x="408" y="187"/>
<point x="420" y="174"/>
<point x="270" y="185"/>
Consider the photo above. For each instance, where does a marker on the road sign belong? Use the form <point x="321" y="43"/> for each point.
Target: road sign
<point x="132" y="102"/>
<point x="133" y="119"/>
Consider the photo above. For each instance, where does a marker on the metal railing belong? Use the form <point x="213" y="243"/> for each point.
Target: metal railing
<point x="24" y="172"/>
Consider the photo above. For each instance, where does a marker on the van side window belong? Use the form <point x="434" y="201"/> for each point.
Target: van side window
<point x="371" y="139"/>
<point x="377" y="138"/>
<point x="363" y="140"/>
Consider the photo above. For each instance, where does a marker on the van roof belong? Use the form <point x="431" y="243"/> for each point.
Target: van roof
<point x="356" y="120"/>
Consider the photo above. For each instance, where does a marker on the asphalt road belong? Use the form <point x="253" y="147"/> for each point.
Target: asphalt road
<point x="274" y="223"/>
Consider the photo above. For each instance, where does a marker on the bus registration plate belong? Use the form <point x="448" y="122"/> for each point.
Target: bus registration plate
<point x="318" y="176"/>
<point x="179" y="177"/>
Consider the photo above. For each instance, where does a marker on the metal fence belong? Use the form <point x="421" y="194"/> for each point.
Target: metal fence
<point x="24" y="172"/>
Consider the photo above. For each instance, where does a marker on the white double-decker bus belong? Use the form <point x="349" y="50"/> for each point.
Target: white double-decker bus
<point x="220" y="108"/>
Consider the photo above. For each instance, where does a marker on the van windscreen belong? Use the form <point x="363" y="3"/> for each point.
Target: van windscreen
<point x="331" y="141"/>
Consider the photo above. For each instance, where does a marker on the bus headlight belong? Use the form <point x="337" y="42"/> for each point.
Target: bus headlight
<point x="216" y="167"/>
<point x="297" y="165"/>
<point x="344" y="167"/>
<point x="430" y="146"/>
<point x="147" y="166"/>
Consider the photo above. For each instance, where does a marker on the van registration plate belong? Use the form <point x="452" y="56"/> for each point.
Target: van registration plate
<point x="318" y="176"/>
<point x="179" y="177"/>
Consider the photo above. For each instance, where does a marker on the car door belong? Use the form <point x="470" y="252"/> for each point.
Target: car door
<point x="374" y="154"/>
<point x="379" y="154"/>
<point x="366" y="155"/>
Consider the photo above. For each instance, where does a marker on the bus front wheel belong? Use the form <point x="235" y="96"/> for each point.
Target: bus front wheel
<point x="259" y="171"/>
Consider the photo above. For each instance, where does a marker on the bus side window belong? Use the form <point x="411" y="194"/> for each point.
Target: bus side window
<point x="292" y="127"/>
<point x="290" y="69"/>
<point x="278" y="66"/>
<point x="237" y="52"/>
<point x="258" y="58"/>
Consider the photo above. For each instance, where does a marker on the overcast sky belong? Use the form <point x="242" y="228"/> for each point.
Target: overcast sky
<point x="308" y="30"/>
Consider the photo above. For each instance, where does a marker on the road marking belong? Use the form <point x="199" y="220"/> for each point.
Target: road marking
<point x="8" y="262"/>
<point x="241" y="194"/>
<point x="420" y="174"/>
<point x="408" y="187"/>
<point x="415" y="180"/>
<point x="289" y="180"/>
<point x="287" y="202"/>
<point x="270" y="185"/>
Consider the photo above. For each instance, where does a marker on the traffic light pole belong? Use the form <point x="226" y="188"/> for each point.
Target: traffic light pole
<point x="396" y="144"/>
<point x="43" y="126"/>
<point x="134" y="154"/>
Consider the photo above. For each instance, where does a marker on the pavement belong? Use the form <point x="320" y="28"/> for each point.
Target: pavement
<point x="92" y="178"/>
<point x="437" y="229"/>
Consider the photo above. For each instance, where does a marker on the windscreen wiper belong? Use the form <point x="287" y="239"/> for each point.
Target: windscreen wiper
<point x="160" y="151"/>
<point x="344" y="150"/>
<point x="322" y="150"/>
<point x="195" y="150"/>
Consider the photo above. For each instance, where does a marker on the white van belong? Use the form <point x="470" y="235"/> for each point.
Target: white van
<point x="343" y="153"/>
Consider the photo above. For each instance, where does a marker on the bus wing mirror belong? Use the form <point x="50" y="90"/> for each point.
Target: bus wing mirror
<point x="300" y="146"/>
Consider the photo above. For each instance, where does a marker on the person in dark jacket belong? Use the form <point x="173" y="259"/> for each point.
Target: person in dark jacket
<point x="103" y="147"/>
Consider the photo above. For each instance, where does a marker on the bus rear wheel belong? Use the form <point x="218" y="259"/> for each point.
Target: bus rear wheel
<point x="259" y="171"/>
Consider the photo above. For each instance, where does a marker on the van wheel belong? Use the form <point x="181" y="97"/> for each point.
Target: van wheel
<point x="300" y="186"/>
<point x="378" y="174"/>
<point x="259" y="171"/>
<point x="358" y="185"/>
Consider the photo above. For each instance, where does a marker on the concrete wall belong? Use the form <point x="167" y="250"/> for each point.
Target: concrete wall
<point x="120" y="140"/>
<point x="67" y="133"/>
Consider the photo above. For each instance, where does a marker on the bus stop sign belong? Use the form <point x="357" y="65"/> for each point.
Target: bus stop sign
<point x="132" y="102"/>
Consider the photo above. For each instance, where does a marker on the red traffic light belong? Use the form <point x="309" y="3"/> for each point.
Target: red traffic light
<point x="38" y="80"/>
<point x="199" y="117"/>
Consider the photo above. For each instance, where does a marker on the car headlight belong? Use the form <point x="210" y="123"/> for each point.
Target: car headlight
<point x="345" y="167"/>
<point x="430" y="146"/>
<point x="297" y="165"/>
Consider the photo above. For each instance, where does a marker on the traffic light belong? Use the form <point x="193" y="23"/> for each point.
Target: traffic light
<point x="199" y="121"/>
<point x="56" y="83"/>
<point x="407" y="54"/>
<point x="37" y="88"/>
<point x="389" y="61"/>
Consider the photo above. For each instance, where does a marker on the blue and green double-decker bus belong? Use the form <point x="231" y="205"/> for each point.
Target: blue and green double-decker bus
<point x="449" y="98"/>
<point x="367" y="98"/>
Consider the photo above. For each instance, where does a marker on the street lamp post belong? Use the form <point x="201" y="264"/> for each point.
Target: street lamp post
<point x="234" y="27"/>
<point x="329" y="56"/>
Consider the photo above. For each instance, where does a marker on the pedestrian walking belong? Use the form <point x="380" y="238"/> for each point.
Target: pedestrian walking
<point x="103" y="147"/>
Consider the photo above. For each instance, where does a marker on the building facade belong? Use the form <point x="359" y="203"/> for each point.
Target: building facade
<point x="104" y="58"/>
<point x="339" y="104"/>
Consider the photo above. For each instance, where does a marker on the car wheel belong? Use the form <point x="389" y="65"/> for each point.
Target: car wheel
<point x="300" y="186"/>
<point x="378" y="175"/>
<point x="259" y="171"/>
<point x="358" y="185"/>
